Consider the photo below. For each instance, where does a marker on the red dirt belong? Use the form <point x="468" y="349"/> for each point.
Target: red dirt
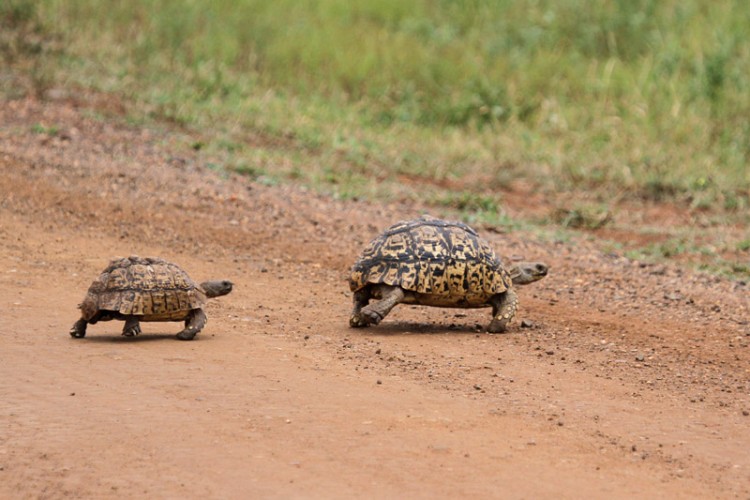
<point x="633" y="381"/>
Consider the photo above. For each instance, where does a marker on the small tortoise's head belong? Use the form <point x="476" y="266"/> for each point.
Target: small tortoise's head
<point x="523" y="273"/>
<point x="216" y="288"/>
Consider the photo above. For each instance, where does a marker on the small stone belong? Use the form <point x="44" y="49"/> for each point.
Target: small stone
<point x="477" y="387"/>
<point x="56" y="94"/>
<point x="378" y="351"/>
<point x="640" y="357"/>
<point x="745" y="413"/>
<point x="379" y="382"/>
<point x="526" y="324"/>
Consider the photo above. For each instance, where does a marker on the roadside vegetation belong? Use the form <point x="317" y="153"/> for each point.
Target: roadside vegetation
<point x="450" y="102"/>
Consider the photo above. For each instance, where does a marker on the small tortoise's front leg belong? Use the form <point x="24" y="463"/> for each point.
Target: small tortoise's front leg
<point x="132" y="326"/>
<point x="503" y="309"/>
<point x="79" y="329"/>
<point x="194" y="324"/>
<point x="374" y="313"/>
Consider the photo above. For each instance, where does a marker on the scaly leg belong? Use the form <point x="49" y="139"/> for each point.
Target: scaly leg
<point x="361" y="299"/>
<point x="503" y="309"/>
<point x="132" y="326"/>
<point x="374" y="313"/>
<point x="79" y="329"/>
<point x="194" y="324"/>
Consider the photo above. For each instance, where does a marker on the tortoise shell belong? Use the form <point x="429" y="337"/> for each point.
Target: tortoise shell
<point x="150" y="288"/>
<point x="446" y="263"/>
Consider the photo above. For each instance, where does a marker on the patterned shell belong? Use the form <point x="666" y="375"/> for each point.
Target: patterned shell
<point x="432" y="257"/>
<point x="148" y="287"/>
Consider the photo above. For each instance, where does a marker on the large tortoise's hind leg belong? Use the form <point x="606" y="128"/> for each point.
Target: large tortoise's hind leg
<point x="132" y="326"/>
<point x="193" y="324"/>
<point x="361" y="299"/>
<point x="374" y="313"/>
<point x="503" y="309"/>
<point x="79" y="329"/>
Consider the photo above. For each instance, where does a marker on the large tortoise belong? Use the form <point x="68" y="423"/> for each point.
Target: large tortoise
<point x="432" y="262"/>
<point x="136" y="289"/>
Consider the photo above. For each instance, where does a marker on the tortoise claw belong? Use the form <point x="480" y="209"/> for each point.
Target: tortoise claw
<point x="357" y="321"/>
<point x="132" y="331"/>
<point x="365" y="318"/>
<point x="186" y="334"/>
<point x="78" y="331"/>
<point x="497" y="326"/>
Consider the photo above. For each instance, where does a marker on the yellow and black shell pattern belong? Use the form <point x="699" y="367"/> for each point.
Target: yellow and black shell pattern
<point x="151" y="288"/>
<point x="446" y="263"/>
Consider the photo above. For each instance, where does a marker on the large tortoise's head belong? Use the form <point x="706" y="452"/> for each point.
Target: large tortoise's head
<point x="523" y="273"/>
<point x="216" y="288"/>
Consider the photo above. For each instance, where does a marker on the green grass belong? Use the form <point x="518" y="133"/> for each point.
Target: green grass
<point x="582" y="216"/>
<point x="451" y="102"/>
<point x="643" y="97"/>
<point x="51" y="130"/>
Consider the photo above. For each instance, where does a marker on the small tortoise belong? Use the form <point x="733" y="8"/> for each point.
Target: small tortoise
<point x="432" y="262"/>
<point x="138" y="289"/>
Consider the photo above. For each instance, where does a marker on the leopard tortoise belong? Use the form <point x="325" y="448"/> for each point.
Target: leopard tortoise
<point x="432" y="262"/>
<point x="136" y="289"/>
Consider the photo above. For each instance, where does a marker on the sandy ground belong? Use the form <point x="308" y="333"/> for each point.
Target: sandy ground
<point x="633" y="380"/>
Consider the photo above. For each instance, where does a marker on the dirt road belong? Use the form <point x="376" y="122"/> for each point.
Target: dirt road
<point x="632" y="382"/>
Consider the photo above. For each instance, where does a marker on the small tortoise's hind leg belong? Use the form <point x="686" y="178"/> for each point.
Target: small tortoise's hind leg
<point x="194" y="324"/>
<point x="132" y="326"/>
<point x="79" y="329"/>
<point x="503" y="309"/>
<point x="374" y="313"/>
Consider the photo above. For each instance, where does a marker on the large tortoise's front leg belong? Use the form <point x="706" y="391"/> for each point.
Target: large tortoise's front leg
<point x="194" y="323"/>
<point x="374" y="313"/>
<point x="79" y="329"/>
<point x="132" y="326"/>
<point x="503" y="309"/>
